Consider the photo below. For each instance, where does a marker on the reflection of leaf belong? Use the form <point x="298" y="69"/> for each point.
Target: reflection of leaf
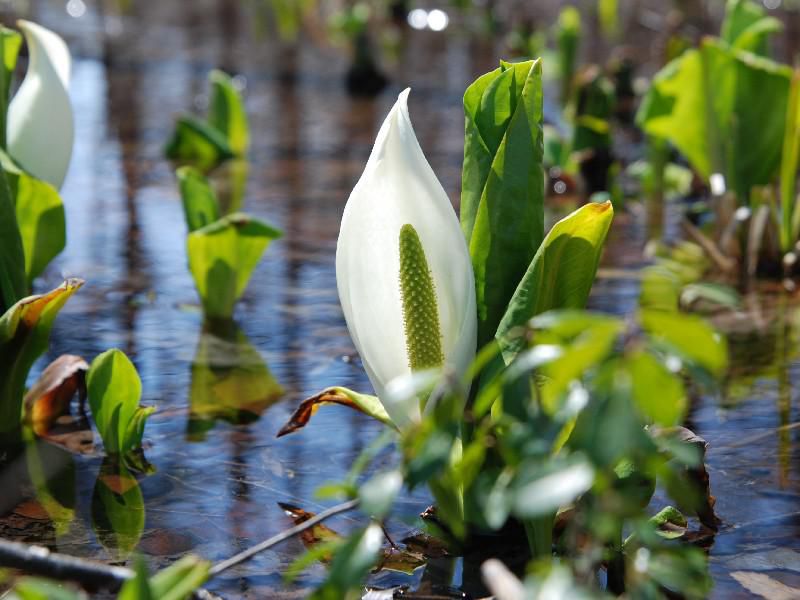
<point x="117" y="509"/>
<point x="24" y="333"/>
<point x="200" y="206"/>
<point x="52" y="472"/>
<point x="230" y="380"/>
<point x="50" y="396"/>
<point x="114" y="390"/>
<point x="222" y="257"/>
<point x="369" y="405"/>
<point x="40" y="217"/>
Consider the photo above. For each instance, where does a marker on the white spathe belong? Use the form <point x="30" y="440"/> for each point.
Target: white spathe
<point x="40" y="128"/>
<point x="399" y="187"/>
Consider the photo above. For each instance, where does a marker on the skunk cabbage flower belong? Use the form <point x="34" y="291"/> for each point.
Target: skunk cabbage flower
<point x="40" y="124"/>
<point x="402" y="267"/>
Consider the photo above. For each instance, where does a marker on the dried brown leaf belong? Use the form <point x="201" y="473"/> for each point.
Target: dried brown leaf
<point x="50" y="397"/>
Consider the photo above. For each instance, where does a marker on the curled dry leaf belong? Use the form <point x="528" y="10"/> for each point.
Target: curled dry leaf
<point x="50" y="397"/>
<point x="369" y="405"/>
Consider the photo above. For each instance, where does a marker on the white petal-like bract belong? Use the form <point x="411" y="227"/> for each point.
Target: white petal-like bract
<point x="398" y="187"/>
<point x="40" y="121"/>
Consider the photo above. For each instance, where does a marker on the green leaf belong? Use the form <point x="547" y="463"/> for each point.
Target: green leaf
<point x="13" y="286"/>
<point x="561" y="274"/>
<point x="351" y="564"/>
<point x="222" y="257"/>
<point x="369" y="405"/>
<point x="137" y="588"/>
<point x="502" y="190"/>
<point x="724" y="109"/>
<point x="689" y="337"/>
<point x="747" y="26"/>
<point x="377" y="495"/>
<point x="230" y="380"/>
<point x="568" y="35"/>
<point x="593" y="112"/>
<point x="40" y="217"/>
<point x="118" y="509"/>
<point x="226" y="112"/>
<point x="24" y="335"/>
<point x="35" y="588"/>
<point x="196" y="142"/>
<point x="200" y="206"/>
<point x="179" y="580"/>
<point x="658" y="394"/>
<point x="790" y="159"/>
<point x="10" y="43"/>
<point x="543" y="491"/>
<point x="114" y="390"/>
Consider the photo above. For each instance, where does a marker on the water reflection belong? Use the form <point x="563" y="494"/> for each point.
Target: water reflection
<point x="118" y="511"/>
<point x="229" y="380"/>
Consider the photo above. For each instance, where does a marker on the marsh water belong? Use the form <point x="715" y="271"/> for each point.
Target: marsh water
<point x="220" y="472"/>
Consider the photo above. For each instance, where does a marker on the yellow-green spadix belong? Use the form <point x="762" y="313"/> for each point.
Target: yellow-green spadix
<point x="40" y="126"/>
<point x="402" y="267"/>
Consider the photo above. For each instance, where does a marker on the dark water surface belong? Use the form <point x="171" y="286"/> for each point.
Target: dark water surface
<point x="217" y="485"/>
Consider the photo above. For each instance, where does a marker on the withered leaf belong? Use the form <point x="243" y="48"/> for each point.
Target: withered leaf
<point x="369" y="405"/>
<point x="50" y="397"/>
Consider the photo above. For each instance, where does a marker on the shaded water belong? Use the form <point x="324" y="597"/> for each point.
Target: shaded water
<point x="217" y="485"/>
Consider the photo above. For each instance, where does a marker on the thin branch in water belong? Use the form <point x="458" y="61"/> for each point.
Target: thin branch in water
<point x="283" y="536"/>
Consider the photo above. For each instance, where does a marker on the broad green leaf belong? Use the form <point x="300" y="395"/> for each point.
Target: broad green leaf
<point x="118" y="509"/>
<point x="226" y="112"/>
<point x="114" y="390"/>
<point x="196" y="142"/>
<point x="369" y="405"/>
<point x="40" y="217"/>
<point x="24" y="335"/>
<point x="200" y="206"/>
<point x="657" y="393"/>
<point x="724" y="109"/>
<point x="502" y="190"/>
<point x="222" y="257"/>
<point x="568" y="36"/>
<point x="13" y="283"/>
<point x="230" y="380"/>
<point x="351" y="564"/>
<point x="747" y="26"/>
<point x="10" y="43"/>
<point x="179" y="580"/>
<point x="689" y="337"/>
<point x="561" y="274"/>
